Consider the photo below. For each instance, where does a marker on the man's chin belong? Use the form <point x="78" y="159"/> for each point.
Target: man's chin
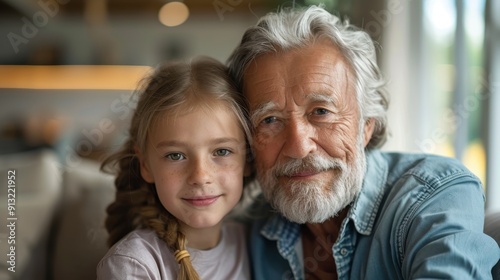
<point x="306" y="220"/>
<point x="307" y="202"/>
<point x="311" y="218"/>
<point x="301" y="212"/>
<point x="312" y="208"/>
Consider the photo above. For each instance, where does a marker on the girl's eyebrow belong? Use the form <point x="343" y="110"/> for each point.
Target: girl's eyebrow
<point x="169" y="143"/>
<point x="225" y="140"/>
<point x="216" y="141"/>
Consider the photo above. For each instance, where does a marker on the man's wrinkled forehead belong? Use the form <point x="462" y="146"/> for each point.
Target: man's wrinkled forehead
<point x="297" y="72"/>
<point x="300" y="55"/>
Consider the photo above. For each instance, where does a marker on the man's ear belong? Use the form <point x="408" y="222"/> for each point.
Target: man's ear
<point x="146" y="173"/>
<point x="368" y="131"/>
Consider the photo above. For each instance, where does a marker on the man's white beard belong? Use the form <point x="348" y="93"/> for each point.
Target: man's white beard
<point x="314" y="201"/>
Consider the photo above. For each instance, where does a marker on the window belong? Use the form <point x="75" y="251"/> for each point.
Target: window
<point x="442" y="59"/>
<point x="454" y="31"/>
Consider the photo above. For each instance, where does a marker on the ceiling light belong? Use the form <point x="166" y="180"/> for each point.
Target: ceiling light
<point x="173" y="13"/>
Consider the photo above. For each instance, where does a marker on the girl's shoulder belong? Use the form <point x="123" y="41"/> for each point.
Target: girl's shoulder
<point x="138" y="236"/>
<point x="142" y="251"/>
<point x="138" y="244"/>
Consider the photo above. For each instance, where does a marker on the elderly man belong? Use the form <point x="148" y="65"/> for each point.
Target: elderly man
<point x="345" y="209"/>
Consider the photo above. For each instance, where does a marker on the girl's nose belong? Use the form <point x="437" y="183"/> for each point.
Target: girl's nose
<point x="200" y="173"/>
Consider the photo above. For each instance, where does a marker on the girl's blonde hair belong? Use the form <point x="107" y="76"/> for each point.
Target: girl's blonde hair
<point x="172" y="87"/>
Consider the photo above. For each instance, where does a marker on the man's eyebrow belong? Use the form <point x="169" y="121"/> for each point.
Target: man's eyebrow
<point x="270" y="106"/>
<point x="321" y="97"/>
<point x="262" y="109"/>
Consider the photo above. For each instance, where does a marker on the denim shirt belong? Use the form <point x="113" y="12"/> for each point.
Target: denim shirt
<point x="417" y="216"/>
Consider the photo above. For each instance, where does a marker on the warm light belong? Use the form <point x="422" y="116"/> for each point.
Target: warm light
<point x="475" y="159"/>
<point x="113" y="77"/>
<point x="173" y="13"/>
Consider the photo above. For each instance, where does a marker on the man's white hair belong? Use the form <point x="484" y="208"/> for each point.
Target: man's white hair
<point x="295" y="28"/>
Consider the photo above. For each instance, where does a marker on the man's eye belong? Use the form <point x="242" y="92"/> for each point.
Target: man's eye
<point x="175" y="156"/>
<point x="222" y="152"/>
<point x="269" y="120"/>
<point x="320" y="111"/>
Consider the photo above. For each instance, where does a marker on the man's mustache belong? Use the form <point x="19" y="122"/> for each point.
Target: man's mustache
<point x="311" y="163"/>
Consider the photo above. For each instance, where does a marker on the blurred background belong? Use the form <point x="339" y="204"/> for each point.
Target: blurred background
<point x="69" y="67"/>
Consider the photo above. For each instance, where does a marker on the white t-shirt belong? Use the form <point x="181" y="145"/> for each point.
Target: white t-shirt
<point x="143" y="255"/>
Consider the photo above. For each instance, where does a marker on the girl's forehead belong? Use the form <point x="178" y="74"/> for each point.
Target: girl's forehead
<point x="197" y="126"/>
<point x="210" y="108"/>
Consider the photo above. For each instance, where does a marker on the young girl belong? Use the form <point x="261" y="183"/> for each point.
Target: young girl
<point x="179" y="174"/>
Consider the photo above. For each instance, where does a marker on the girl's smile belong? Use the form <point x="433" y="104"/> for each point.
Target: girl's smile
<point x="202" y="200"/>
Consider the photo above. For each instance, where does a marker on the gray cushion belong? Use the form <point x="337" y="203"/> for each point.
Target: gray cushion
<point x="37" y="193"/>
<point x="492" y="228"/>
<point x="81" y="236"/>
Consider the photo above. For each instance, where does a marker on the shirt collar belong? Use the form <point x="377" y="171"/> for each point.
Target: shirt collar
<point x="284" y="231"/>
<point x="366" y="205"/>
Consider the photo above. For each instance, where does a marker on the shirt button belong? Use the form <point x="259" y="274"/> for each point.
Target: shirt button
<point x="343" y="251"/>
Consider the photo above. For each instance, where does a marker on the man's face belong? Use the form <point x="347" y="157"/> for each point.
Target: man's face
<point x="309" y="151"/>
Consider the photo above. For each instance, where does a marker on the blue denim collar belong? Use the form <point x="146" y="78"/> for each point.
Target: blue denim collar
<point x="366" y="205"/>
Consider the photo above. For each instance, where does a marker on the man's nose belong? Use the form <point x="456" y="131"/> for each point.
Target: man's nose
<point x="200" y="173"/>
<point x="299" y="139"/>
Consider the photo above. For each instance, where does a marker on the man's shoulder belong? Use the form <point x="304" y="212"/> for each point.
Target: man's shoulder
<point x="428" y="168"/>
<point x="412" y="179"/>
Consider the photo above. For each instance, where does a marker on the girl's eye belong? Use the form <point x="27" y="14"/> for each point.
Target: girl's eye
<point x="175" y="156"/>
<point x="222" y="152"/>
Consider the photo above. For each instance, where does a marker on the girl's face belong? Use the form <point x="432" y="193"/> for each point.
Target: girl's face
<point x="197" y="162"/>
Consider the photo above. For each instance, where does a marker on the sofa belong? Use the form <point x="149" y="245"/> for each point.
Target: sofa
<point x="492" y="228"/>
<point x="60" y="209"/>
